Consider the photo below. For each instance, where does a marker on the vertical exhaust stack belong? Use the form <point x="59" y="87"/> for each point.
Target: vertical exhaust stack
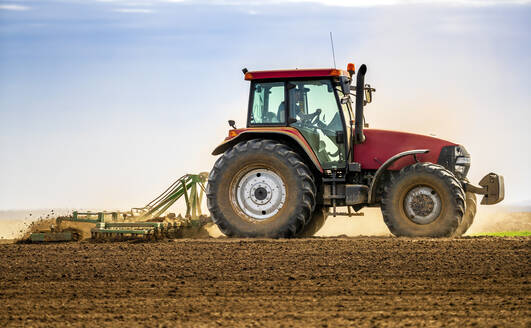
<point x="359" y="137"/>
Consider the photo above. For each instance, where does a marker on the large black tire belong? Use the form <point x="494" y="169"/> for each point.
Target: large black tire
<point x="423" y="200"/>
<point x="288" y="177"/>
<point x="315" y="223"/>
<point x="470" y="213"/>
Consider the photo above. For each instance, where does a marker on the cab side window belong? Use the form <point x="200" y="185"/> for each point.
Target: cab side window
<point x="268" y="104"/>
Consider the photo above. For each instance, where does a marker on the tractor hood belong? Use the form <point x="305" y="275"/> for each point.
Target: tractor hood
<point x="380" y="145"/>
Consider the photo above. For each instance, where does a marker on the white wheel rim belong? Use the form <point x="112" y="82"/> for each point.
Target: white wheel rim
<point x="260" y="194"/>
<point x="422" y="205"/>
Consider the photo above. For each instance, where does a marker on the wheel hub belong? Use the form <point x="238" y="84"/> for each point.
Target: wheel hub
<point x="260" y="194"/>
<point x="422" y="205"/>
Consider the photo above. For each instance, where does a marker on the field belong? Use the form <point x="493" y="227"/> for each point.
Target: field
<point x="323" y="282"/>
<point x="506" y="234"/>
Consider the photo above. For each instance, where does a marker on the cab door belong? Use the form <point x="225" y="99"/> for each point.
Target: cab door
<point x="314" y="106"/>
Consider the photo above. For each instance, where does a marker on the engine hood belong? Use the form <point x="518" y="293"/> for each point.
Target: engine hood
<point x="380" y="145"/>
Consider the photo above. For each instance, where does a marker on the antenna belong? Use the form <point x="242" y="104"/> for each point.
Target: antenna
<point x="333" y="53"/>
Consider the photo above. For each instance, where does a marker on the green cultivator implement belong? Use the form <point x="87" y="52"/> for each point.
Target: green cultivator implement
<point x="149" y="222"/>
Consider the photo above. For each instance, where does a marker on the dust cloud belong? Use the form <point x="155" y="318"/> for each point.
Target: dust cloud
<point x="500" y="220"/>
<point x="488" y="219"/>
<point x="15" y="224"/>
<point x="372" y="224"/>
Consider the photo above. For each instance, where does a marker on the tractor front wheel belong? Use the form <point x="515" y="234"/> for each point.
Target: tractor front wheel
<point x="260" y="188"/>
<point x="423" y="200"/>
<point x="468" y="217"/>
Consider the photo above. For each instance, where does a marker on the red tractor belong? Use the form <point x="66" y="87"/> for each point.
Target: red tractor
<point x="305" y="152"/>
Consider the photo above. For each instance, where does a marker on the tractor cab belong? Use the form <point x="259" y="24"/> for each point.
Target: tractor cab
<point x="314" y="102"/>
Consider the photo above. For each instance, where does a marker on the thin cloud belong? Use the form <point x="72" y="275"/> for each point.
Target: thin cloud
<point x="376" y="3"/>
<point x="336" y="3"/>
<point x="359" y="3"/>
<point x="134" y="10"/>
<point x="14" y="7"/>
<point x="142" y="2"/>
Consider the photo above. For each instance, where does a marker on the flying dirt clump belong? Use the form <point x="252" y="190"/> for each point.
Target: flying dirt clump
<point x="40" y="225"/>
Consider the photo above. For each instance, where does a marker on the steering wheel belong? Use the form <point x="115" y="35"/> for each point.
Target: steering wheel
<point x="310" y="119"/>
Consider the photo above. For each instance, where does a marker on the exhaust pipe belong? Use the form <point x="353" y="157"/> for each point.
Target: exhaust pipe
<point x="359" y="137"/>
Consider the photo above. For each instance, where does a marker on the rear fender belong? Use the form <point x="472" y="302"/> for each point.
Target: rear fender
<point x="290" y="136"/>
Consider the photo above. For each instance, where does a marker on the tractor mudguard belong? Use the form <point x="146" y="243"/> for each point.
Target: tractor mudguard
<point x="287" y="134"/>
<point x="385" y="166"/>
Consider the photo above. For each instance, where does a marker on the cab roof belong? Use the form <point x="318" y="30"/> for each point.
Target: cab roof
<point x="295" y="73"/>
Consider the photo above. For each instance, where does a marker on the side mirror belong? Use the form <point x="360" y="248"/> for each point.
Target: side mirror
<point x="232" y="124"/>
<point x="368" y="93"/>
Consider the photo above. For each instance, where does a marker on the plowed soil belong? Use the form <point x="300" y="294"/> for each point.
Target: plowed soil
<point x="244" y="283"/>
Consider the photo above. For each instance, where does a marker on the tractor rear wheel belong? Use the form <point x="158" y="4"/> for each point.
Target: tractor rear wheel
<point x="423" y="200"/>
<point x="468" y="217"/>
<point x="260" y="188"/>
<point x="315" y="223"/>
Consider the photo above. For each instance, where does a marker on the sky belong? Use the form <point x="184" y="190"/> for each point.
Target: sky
<point x="104" y="103"/>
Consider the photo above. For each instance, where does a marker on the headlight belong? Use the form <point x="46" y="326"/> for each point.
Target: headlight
<point x="461" y="160"/>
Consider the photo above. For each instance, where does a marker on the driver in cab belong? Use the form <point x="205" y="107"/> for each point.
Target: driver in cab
<point x="296" y="111"/>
